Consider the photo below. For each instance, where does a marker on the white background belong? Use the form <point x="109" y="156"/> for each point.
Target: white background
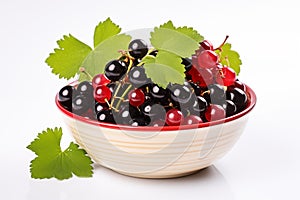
<point x="264" y="164"/>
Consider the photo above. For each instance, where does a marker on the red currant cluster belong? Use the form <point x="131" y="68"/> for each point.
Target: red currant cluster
<point x="206" y="68"/>
<point x="124" y="94"/>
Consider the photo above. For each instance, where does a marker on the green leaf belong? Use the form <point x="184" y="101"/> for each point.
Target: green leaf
<point x="168" y="24"/>
<point x="165" y="68"/>
<point x="51" y="161"/>
<point x="105" y="30"/>
<point x="230" y="57"/>
<point x="148" y="59"/>
<point x="172" y="44"/>
<point x="106" y="51"/>
<point x="189" y="31"/>
<point x="66" y="60"/>
<point x="173" y="41"/>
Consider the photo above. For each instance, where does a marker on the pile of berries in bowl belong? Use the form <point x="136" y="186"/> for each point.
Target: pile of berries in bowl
<point x="129" y="123"/>
<point x="124" y="94"/>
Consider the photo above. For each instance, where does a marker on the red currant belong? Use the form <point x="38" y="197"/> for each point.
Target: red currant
<point x="214" y="112"/>
<point x="206" y="45"/>
<point x="192" y="119"/>
<point x="136" y="97"/>
<point x="226" y="76"/>
<point x="207" y="59"/>
<point x="201" y="76"/>
<point x="174" y="117"/>
<point x="102" y="94"/>
<point x="100" y="79"/>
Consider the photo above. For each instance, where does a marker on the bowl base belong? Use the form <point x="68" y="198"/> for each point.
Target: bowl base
<point x="160" y="176"/>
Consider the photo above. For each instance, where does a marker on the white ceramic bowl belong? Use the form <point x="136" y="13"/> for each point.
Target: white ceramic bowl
<point x="158" y="152"/>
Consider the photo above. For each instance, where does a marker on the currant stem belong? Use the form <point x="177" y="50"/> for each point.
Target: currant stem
<point x="82" y="70"/>
<point x="205" y="92"/>
<point x="220" y="47"/>
<point x="123" y="95"/>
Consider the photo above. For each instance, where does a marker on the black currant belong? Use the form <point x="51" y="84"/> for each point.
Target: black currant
<point x="230" y="108"/>
<point x="196" y="89"/>
<point x="238" y="97"/>
<point x="99" y="107"/>
<point x="115" y="70"/>
<point x="199" y="105"/>
<point x="137" y="76"/>
<point x="153" y="110"/>
<point x="126" y="113"/>
<point x="111" y="86"/>
<point x="85" y="87"/>
<point x="159" y="94"/>
<point x="80" y="104"/>
<point x="105" y="115"/>
<point x="180" y="93"/>
<point x="65" y="96"/>
<point x="216" y="94"/>
<point x="139" y="122"/>
<point x="138" y="48"/>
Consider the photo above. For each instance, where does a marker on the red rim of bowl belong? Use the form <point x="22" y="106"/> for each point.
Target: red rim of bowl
<point x="250" y="105"/>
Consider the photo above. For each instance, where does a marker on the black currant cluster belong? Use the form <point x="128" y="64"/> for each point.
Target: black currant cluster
<point x="125" y="95"/>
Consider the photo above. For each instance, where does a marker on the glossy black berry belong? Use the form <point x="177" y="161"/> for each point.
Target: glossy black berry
<point x="199" y="105"/>
<point x="216" y="94"/>
<point x="111" y="87"/>
<point x="196" y="89"/>
<point x="138" y="48"/>
<point x="85" y="87"/>
<point x="105" y="116"/>
<point x="230" y="108"/>
<point x="65" y="96"/>
<point x="99" y="107"/>
<point x="238" y="97"/>
<point x="153" y="110"/>
<point x="159" y="94"/>
<point x="180" y="93"/>
<point x="115" y="70"/>
<point x="139" y="122"/>
<point x="137" y="77"/>
<point x="80" y="104"/>
<point x="126" y="113"/>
